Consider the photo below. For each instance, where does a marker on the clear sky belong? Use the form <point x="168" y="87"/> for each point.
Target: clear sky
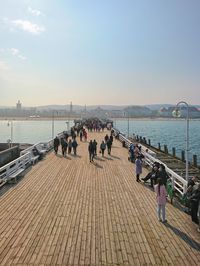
<point x="99" y="51"/>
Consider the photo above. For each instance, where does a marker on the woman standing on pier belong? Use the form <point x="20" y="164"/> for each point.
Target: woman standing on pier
<point x="161" y="198"/>
<point x="138" y="168"/>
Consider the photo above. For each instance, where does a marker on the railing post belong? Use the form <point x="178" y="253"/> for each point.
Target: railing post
<point x="165" y="149"/>
<point x="195" y="160"/>
<point x="183" y="156"/>
<point x="184" y="188"/>
<point x="159" y="147"/>
<point x="174" y="152"/>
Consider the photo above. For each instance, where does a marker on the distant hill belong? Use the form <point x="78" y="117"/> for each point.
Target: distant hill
<point x="80" y="107"/>
<point x="155" y="107"/>
<point x="152" y="107"/>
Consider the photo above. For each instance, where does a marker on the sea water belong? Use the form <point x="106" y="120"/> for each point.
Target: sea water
<point x="169" y="132"/>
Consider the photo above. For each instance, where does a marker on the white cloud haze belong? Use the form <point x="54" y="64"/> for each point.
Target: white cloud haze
<point x="35" y="12"/>
<point x="28" y="26"/>
<point x="17" y="53"/>
<point x="3" y="65"/>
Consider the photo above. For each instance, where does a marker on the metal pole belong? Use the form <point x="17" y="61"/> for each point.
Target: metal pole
<point x="128" y="124"/>
<point x="187" y="140"/>
<point x="187" y="143"/>
<point x="11" y="134"/>
<point x="53" y="124"/>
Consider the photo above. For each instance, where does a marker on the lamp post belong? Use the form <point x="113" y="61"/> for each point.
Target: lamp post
<point x="177" y="113"/>
<point x="67" y="122"/>
<point x="10" y="123"/>
<point x="53" y="116"/>
<point x="128" y="123"/>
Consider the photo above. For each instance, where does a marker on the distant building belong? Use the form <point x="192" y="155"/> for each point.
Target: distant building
<point x="18" y="105"/>
<point x="71" y="107"/>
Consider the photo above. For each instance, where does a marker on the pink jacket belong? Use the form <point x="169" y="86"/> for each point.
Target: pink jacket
<point x="161" y="198"/>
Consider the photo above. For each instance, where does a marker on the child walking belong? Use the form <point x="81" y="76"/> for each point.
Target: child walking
<point x="161" y="195"/>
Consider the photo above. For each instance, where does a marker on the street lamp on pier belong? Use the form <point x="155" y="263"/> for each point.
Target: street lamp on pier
<point x="128" y="122"/>
<point x="10" y="123"/>
<point x="177" y="113"/>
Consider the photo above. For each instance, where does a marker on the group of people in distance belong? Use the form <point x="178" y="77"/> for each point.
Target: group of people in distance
<point x="106" y="143"/>
<point x="66" y="145"/>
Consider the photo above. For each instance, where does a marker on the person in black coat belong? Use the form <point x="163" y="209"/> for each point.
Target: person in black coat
<point x="194" y="203"/>
<point x="162" y="174"/>
<point x="109" y="145"/>
<point x="153" y="175"/>
<point x="56" y="143"/>
<point x="91" y="151"/>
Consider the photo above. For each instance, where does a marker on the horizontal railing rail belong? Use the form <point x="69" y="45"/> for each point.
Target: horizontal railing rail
<point x="25" y="159"/>
<point x="22" y="162"/>
<point x="128" y="142"/>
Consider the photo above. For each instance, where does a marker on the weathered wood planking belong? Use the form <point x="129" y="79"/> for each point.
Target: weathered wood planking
<point x="72" y="212"/>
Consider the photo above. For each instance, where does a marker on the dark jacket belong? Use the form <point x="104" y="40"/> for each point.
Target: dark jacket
<point x="91" y="147"/>
<point x="56" y="142"/>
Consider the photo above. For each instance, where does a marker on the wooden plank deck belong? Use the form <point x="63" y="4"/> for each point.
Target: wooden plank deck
<point x="72" y="212"/>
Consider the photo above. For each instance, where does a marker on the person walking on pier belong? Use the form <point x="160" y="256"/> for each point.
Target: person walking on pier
<point x="138" y="168"/>
<point x="109" y="145"/>
<point x="161" y="198"/>
<point x="70" y="146"/>
<point x="56" y="144"/>
<point x="64" y="145"/>
<point x="74" y="146"/>
<point x="81" y="135"/>
<point x="102" y="148"/>
<point x="95" y="147"/>
<point x="91" y="151"/>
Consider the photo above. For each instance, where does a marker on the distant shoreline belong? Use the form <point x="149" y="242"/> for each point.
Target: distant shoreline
<point x="73" y="118"/>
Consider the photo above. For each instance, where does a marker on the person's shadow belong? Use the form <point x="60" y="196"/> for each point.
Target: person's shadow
<point x="116" y="157"/>
<point x="99" y="158"/>
<point x="97" y="165"/>
<point x="191" y="242"/>
<point x="108" y="158"/>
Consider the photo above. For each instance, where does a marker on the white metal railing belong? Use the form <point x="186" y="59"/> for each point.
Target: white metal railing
<point x="128" y="143"/>
<point x="25" y="158"/>
<point x="21" y="162"/>
<point x="179" y="184"/>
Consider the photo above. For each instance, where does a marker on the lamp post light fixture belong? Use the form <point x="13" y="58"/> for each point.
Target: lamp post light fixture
<point x="10" y="123"/>
<point x="177" y="113"/>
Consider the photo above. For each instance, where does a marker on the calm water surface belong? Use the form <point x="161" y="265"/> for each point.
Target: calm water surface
<point x="31" y="131"/>
<point x="170" y="132"/>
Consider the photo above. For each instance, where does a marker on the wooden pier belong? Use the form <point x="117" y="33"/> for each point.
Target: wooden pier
<point x="68" y="211"/>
